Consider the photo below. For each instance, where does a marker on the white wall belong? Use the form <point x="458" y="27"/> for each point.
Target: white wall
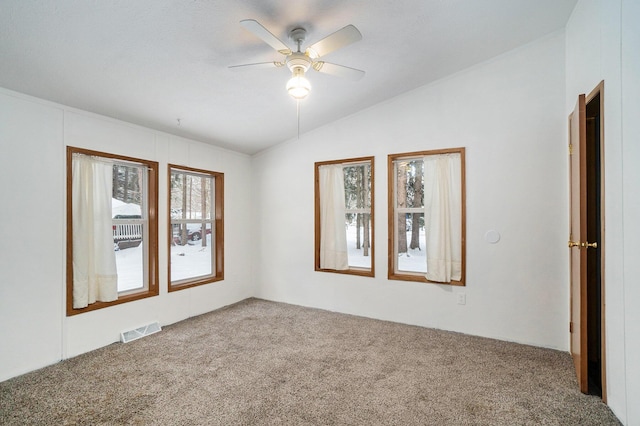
<point x="631" y="198"/>
<point x="34" y="134"/>
<point x="603" y="41"/>
<point x="509" y="114"/>
<point x="32" y="229"/>
<point x="630" y="76"/>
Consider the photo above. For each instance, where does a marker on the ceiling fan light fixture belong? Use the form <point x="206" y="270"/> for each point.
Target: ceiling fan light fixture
<point x="298" y="86"/>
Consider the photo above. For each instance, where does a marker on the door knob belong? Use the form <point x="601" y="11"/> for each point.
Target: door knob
<point x="574" y="244"/>
<point x="590" y="245"/>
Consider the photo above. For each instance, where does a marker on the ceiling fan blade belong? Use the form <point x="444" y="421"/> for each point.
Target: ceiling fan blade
<point x="335" y="41"/>
<point x="338" y="70"/>
<point x="258" y="65"/>
<point x="265" y="35"/>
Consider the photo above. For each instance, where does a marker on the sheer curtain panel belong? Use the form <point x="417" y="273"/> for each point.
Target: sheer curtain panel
<point x="443" y="216"/>
<point x="94" y="262"/>
<point x="333" y="237"/>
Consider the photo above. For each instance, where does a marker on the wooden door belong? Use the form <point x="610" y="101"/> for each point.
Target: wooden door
<point x="578" y="234"/>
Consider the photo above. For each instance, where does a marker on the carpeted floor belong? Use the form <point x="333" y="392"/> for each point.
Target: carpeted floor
<point x="266" y="363"/>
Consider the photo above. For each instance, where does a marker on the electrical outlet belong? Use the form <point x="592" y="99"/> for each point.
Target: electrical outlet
<point x="462" y="298"/>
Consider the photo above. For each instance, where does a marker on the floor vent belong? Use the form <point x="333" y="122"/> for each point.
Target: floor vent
<point x="145" y="330"/>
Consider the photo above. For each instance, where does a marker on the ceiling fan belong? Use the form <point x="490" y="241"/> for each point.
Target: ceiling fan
<point x="300" y="61"/>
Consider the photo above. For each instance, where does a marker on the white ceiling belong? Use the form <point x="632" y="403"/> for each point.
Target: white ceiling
<point x="152" y="62"/>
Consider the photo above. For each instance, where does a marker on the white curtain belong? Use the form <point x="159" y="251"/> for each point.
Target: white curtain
<point x="94" y="262"/>
<point x="333" y="234"/>
<point x="443" y="217"/>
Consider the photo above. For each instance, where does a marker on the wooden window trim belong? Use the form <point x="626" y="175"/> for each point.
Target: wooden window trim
<point x="351" y="271"/>
<point x="391" y="261"/>
<point x="218" y="274"/>
<point x="152" y="201"/>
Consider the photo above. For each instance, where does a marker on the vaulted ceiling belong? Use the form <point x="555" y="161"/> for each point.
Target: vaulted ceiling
<point x="164" y="64"/>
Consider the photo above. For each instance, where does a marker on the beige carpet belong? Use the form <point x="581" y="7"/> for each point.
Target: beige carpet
<point x="265" y="363"/>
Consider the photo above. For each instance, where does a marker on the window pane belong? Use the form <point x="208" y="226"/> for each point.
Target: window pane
<point x="127" y="213"/>
<point x="191" y="196"/>
<point x="130" y="262"/>
<point x="410" y="175"/>
<point x="177" y="182"/>
<point x="357" y="186"/>
<point x="127" y="184"/>
<point x="193" y="258"/>
<point x="411" y="243"/>
<point x="358" y="228"/>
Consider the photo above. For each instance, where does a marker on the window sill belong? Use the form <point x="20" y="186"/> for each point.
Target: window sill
<point x="122" y="299"/>
<point x="351" y="271"/>
<point x="421" y="279"/>
<point x="194" y="283"/>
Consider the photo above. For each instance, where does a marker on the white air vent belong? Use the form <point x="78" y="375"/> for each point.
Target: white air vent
<point x="145" y="330"/>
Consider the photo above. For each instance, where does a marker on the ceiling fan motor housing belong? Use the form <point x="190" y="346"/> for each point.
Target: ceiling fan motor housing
<point x="298" y="60"/>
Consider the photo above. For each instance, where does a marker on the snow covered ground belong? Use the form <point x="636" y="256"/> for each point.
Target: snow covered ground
<point x="191" y="260"/>
<point x="356" y="257"/>
<point x="413" y="261"/>
<point x="129" y="266"/>
<point x="188" y="261"/>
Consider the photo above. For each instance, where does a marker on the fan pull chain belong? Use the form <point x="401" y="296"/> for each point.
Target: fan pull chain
<point x="298" y="116"/>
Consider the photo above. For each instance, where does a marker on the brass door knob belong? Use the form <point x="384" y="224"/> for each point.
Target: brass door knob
<point x="590" y="245"/>
<point x="574" y="244"/>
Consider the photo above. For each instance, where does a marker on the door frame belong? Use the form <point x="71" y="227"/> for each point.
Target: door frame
<point x="599" y="90"/>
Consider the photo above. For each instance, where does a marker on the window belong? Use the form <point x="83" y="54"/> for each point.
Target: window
<point x="344" y="216"/>
<point x="112" y="229"/>
<point x="196" y="229"/>
<point x="427" y="216"/>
